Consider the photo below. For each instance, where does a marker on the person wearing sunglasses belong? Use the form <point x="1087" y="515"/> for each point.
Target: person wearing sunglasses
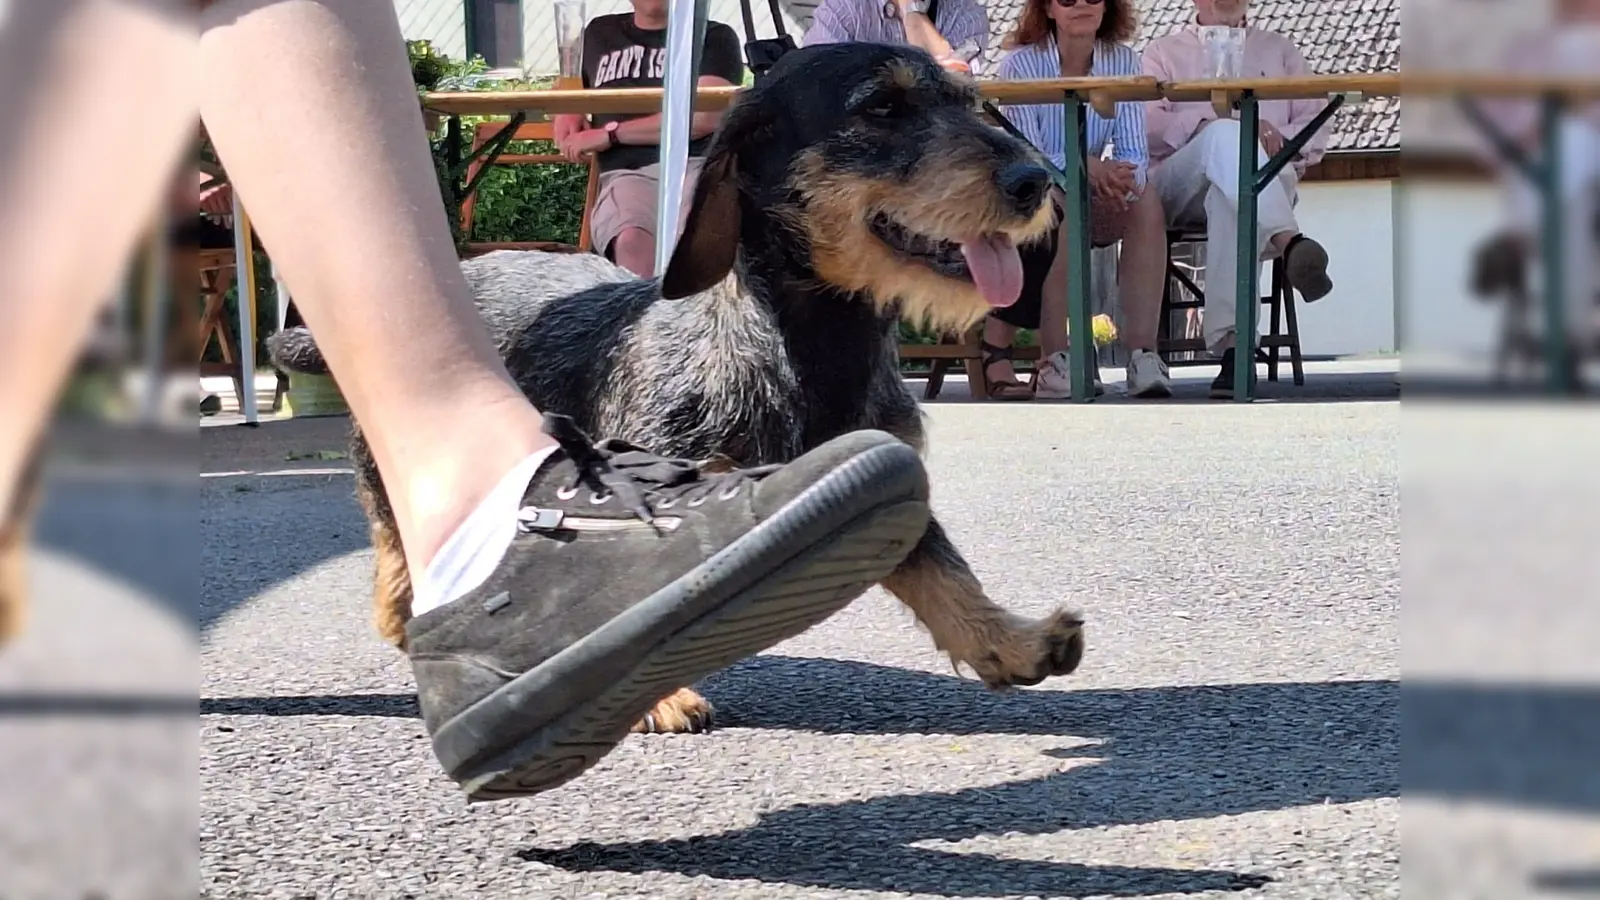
<point x="954" y="32"/>
<point x="1194" y="165"/>
<point x="1065" y="39"/>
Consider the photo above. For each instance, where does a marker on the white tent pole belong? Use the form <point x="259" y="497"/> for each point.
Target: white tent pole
<point x="245" y="280"/>
<point x="686" y="32"/>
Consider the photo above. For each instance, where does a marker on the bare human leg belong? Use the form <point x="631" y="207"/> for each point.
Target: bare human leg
<point x="545" y="638"/>
<point x="434" y="383"/>
<point x="635" y="250"/>
<point x="124" y="67"/>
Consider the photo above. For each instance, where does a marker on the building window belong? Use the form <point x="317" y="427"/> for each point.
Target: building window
<point x="494" y="32"/>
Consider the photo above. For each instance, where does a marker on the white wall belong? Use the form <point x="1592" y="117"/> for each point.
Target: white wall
<point x="1440" y="226"/>
<point x="1354" y="220"/>
<point x="439" y="21"/>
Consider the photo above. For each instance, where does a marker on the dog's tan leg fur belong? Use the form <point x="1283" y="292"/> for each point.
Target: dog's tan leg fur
<point x="1001" y="647"/>
<point x="15" y="529"/>
<point x="682" y="712"/>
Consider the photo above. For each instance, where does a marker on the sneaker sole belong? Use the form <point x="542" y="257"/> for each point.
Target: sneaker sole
<point x="806" y="562"/>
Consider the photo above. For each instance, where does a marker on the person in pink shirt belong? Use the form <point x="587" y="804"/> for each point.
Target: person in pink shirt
<point x="1194" y="165"/>
<point x="1568" y="48"/>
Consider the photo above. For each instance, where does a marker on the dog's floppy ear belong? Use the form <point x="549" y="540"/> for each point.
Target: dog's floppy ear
<point x="704" y="254"/>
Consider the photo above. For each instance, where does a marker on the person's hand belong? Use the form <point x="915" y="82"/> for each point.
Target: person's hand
<point x="1112" y="181"/>
<point x="564" y="127"/>
<point x="1271" y="138"/>
<point x="216" y="200"/>
<point x="584" y="142"/>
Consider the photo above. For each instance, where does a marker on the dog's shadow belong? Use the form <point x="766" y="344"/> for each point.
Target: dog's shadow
<point x="1163" y="754"/>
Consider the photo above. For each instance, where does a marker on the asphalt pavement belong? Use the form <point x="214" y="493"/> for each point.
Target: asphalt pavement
<point x="1234" y="730"/>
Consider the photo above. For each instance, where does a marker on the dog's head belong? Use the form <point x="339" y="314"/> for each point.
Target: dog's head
<point x="873" y="166"/>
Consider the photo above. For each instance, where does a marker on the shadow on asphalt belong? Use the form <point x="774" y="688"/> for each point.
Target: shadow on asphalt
<point x="130" y="528"/>
<point x="1156" y="754"/>
<point x="1150" y="755"/>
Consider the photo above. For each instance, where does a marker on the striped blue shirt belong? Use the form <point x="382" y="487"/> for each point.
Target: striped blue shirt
<point x="962" y="23"/>
<point x="1045" y="123"/>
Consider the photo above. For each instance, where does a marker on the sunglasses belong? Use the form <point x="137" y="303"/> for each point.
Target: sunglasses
<point x="1071" y="3"/>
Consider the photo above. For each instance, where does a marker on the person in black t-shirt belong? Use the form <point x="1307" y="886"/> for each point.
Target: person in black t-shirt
<point x="624" y="51"/>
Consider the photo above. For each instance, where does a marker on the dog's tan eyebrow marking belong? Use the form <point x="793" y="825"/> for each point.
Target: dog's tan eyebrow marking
<point x="903" y="75"/>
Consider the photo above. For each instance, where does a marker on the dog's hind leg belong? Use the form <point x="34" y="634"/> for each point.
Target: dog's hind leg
<point x="1001" y="647"/>
<point x="391" y="584"/>
<point x="16" y="523"/>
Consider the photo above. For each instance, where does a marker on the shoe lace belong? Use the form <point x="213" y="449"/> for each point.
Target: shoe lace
<point x="636" y="476"/>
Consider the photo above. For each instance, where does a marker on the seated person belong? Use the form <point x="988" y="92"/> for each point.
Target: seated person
<point x="1569" y="48"/>
<point x="1194" y="165"/>
<point x="1054" y="40"/>
<point x="628" y="50"/>
<point x="954" y="32"/>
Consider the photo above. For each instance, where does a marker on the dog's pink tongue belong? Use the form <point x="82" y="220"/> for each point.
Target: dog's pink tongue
<point x="995" y="266"/>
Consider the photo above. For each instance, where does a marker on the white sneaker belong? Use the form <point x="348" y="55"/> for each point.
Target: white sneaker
<point x="1147" y="375"/>
<point x="1054" y="381"/>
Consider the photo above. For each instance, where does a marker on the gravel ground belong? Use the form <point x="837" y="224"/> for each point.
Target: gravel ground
<point x="1234" y="731"/>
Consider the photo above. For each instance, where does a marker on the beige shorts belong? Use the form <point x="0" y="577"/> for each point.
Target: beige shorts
<point x="626" y="198"/>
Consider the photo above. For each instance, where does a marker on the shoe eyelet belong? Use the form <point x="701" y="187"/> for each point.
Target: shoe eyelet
<point x="667" y="504"/>
<point x="567" y="493"/>
<point x="728" y="493"/>
<point x="597" y="499"/>
<point x="698" y="501"/>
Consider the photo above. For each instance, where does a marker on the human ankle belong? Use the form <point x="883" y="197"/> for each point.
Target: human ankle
<point x="435" y="498"/>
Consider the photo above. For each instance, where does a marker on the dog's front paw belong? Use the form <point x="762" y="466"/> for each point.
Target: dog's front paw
<point x="1027" y="652"/>
<point x="681" y="712"/>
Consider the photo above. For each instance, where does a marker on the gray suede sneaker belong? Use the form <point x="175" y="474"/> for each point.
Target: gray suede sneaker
<point x="633" y="575"/>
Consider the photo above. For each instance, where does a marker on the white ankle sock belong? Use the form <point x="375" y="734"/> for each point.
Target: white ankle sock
<point x="471" y="554"/>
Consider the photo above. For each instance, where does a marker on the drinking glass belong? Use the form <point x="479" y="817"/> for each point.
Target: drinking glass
<point x="1224" y="51"/>
<point x="570" y="17"/>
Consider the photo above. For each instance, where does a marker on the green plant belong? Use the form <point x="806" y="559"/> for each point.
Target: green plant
<point x="428" y="65"/>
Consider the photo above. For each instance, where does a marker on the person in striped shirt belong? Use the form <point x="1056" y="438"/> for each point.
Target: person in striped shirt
<point x="954" y="32"/>
<point x="1071" y="38"/>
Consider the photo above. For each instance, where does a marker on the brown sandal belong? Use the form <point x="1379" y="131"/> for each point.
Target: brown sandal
<point x="1007" y="389"/>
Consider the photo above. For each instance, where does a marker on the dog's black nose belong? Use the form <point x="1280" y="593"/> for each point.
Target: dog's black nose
<point x="1024" y="184"/>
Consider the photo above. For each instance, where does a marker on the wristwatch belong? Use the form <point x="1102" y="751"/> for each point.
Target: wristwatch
<point x="611" y="133"/>
<point x="920" y="7"/>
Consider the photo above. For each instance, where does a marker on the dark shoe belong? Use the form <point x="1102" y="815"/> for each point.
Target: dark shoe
<point x="632" y="576"/>
<point x="1307" y="263"/>
<point x="210" y="405"/>
<point x="1222" y="385"/>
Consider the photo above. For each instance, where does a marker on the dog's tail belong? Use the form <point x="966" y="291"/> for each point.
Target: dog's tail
<point x="295" y="350"/>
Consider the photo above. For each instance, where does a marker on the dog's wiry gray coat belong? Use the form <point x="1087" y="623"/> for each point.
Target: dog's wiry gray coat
<point x="698" y="378"/>
<point x="742" y="353"/>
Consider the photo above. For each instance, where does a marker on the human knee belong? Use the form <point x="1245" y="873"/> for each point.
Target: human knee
<point x="1222" y="133"/>
<point x="634" y="250"/>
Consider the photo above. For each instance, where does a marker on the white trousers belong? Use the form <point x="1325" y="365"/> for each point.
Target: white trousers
<point x="1200" y="183"/>
<point x="1580" y="194"/>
